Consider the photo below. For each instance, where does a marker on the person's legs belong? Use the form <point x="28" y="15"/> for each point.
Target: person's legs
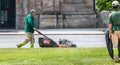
<point x="32" y="41"/>
<point x="115" y="45"/>
<point x="28" y="38"/>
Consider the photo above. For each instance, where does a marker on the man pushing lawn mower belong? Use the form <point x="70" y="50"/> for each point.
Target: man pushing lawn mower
<point x="43" y="41"/>
<point x="114" y="29"/>
<point x="29" y="30"/>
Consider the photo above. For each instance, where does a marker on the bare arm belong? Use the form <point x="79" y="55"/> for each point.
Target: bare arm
<point x="110" y="30"/>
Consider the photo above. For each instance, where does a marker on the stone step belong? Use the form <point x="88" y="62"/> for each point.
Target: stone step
<point x="76" y="7"/>
<point x="79" y="16"/>
<point x="67" y="16"/>
<point x="69" y="12"/>
<point x="73" y="1"/>
<point x="79" y="13"/>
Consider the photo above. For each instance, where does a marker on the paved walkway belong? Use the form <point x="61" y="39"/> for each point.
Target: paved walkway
<point x="80" y="37"/>
<point x="96" y="31"/>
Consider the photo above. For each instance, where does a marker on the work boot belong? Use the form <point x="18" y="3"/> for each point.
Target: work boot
<point x="31" y="45"/>
<point x="116" y="59"/>
<point x="18" y="46"/>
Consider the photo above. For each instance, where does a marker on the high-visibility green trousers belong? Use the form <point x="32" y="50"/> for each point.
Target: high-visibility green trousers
<point x="29" y="38"/>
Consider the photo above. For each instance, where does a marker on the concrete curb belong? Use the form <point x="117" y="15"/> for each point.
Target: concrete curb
<point x="57" y="33"/>
<point x="87" y="31"/>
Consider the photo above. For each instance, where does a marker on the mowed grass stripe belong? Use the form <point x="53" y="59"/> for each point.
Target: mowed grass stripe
<point x="55" y="56"/>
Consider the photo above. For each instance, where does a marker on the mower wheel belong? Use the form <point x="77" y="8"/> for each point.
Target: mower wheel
<point x="73" y="45"/>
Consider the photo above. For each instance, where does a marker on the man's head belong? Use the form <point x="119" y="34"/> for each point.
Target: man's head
<point x="33" y="12"/>
<point x="115" y="4"/>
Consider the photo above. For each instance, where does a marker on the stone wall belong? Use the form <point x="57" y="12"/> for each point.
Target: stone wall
<point x="23" y="8"/>
<point x="104" y="15"/>
<point x="20" y="14"/>
<point x="76" y="13"/>
<point x="80" y="21"/>
<point x="49" y="21"/>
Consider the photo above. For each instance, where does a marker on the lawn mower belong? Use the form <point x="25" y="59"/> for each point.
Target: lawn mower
<point x="47" y="42"/>
<point x="110" y="45"/>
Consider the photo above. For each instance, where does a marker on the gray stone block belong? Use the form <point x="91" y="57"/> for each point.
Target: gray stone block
<point x="48" y="5"/>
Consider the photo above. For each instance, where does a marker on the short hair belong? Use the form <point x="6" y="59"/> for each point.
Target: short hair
<point x="115" y="7"/>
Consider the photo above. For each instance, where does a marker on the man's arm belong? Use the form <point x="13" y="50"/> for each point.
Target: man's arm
<point x="110" y="30"/>
<point x="30" y="22"/>
<point x="110" y="25"/>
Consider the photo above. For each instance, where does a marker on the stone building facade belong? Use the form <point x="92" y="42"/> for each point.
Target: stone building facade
<point x="57" y="13"/>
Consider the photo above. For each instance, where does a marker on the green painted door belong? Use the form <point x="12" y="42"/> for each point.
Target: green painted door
<point x="7" y="14"/>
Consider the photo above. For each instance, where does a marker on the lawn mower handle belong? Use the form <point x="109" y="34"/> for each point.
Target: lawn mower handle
<point x="40" y="33"/>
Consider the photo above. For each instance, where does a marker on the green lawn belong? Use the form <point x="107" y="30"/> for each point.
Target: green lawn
<point x="55" y="56"/>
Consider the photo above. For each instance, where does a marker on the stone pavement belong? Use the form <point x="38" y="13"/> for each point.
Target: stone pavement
<point x="92" y="31"/>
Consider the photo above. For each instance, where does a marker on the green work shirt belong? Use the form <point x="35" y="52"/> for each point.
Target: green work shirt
<point x="29" y="23"/>
<point x="114" y="19"/>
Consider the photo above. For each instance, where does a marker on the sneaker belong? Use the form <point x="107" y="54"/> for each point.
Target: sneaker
<point x="116" y="59"/>
<point x="18" y="46"/>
